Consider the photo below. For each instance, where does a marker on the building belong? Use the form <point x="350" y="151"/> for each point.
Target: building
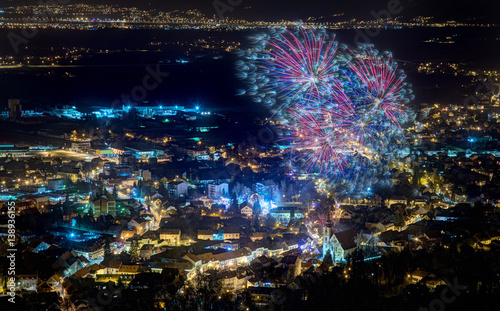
<point x="239" y="257"/>
<point x="205" y="234"/>
<point x="91" y="250"/>
<point x="293" y="263"/>
<point x="233" y="281"/>
<point x="103" y="206"/>
<point x="171" y="236"/>
<point x="69" y="215"/>
<point x="177" y="189"/>
<point x="56" y="184"/>
<point x="113" y="267"/>
<point x="82" y="146"/>
<point x="146" y="251"/>
<point x="247" y="211"/>
<point x="26" y="282"/>
<point x="216" y="190"/>
<point x="339" y="244"/>
<point x="231" y="233"/>
<point x="397" y="199"/>
<point x="139" y="225"/>
<point x="285" y="214"/>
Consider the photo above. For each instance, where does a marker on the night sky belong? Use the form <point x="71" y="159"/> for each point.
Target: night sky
<point x="460" y="10"/>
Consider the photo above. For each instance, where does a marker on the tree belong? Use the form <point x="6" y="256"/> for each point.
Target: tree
<point x="202" y="293"/>
<point x="416" y="176"/>
<point x="399" y="219"/>
<point x="162" y="190"/>
<point x="234" y="201"/>
<point x="134" y="249"/>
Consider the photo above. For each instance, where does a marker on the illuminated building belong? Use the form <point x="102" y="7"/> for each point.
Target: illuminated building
<point x="172" y="236"/>
<point x="339" y="244"/>
<point x="215" y="190"/>
<point x="103" y="206"/>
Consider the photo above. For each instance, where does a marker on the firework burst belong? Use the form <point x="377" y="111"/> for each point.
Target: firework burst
<point x="344" y="109"/>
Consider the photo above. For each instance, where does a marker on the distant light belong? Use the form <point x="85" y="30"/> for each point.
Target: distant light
<point x="197" y="107"/>
<point x="369" y="189"/>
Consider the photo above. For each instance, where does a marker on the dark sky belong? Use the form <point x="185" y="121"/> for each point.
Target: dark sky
<point x="485" y="10"/>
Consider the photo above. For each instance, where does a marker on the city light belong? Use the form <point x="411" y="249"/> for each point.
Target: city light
<point x="324" y="168"/>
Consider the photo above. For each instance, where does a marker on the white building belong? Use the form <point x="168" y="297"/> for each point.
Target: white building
<point x="338" y="244"/>
<point x="397" y="199"/>
<point x="215" y="190"/>
<point x="177" y="189"/>
<point x="247" y="211"/>
<point x="284" y="214"/>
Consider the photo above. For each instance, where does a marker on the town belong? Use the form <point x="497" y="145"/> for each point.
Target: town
<point x="108" y="204"/>
<point x="249" y="155"/>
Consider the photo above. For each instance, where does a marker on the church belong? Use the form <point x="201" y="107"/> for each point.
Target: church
<point x="338" y="244"/>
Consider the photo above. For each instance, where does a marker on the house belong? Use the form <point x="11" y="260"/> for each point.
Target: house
<point x="139" y="225"/>
<point x="82" y="273"/>
<point x="70" y="173"/>
<point x="346" y="214"/>
<point x="257" y="236"/>
<point x="146" y="251"/>
<point x="40" y="201"/>
<point x="262" y="296"/>
<point x="126" y="234"/>
<point x="233" y="281"/>
<point x="26" y="282"/>
<point x="235" y="258"/>
<point x="69" y="262"/>
<point x="216" y="190"/>
<point x="103" y="206"/>
<point x="177" y="189"/>
<point x="205" y="235"/>
<point x="419" y="202"/>
<point x="113" y="267"/>
<point x="37" y="246"/>
<point x="294" y="265"/>
<point x="55" y="281"/>
<point x="247" y="211"/>
<point x="231" y="233"/>
<point x="193" y="259"/>
<point x="229" y="245"/>
<point x="129" y="269"/>
<point x="288" y="212"/>
<point x="91" y="250"/>
<point x="417" y="275"/>
<point x="171" y="236"/>
<point x="397" y="199"/>
<point x="339" y="245"/>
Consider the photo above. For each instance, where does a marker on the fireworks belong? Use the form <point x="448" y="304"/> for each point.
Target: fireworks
<point x="343" y="108"/>
<point x="290" y="68"/>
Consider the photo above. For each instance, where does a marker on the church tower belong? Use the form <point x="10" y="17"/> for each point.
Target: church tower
<point x="327" y="235"/>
